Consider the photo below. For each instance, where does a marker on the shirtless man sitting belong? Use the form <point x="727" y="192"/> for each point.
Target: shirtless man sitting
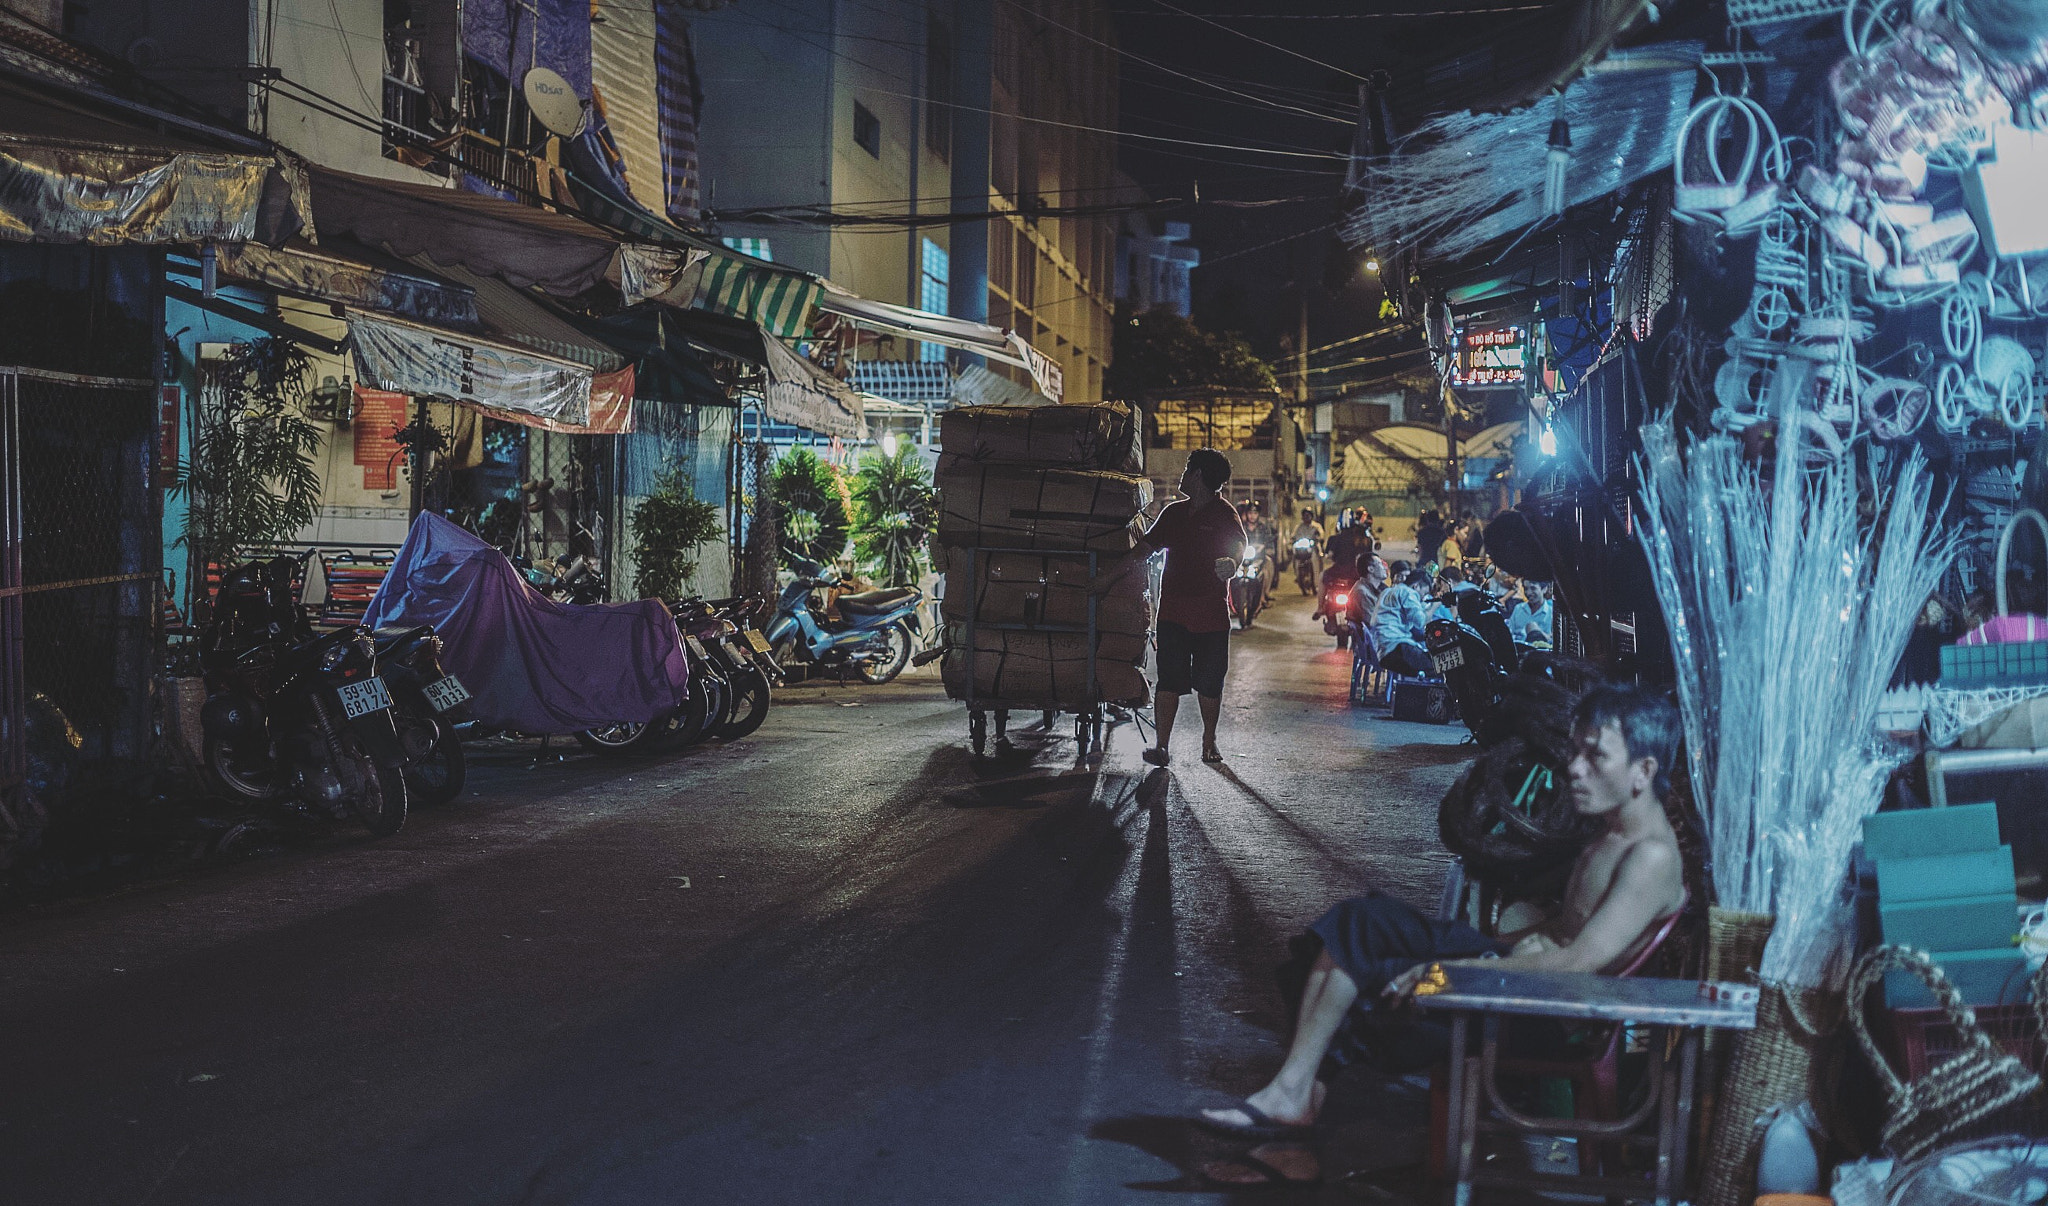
<point x="1624" y="884"/>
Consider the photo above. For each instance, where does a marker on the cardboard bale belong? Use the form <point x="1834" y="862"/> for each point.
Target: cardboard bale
<point x="1105" y="435"/>
<point x="1048" y="588"/>
<point x="1048" y="669"/>
<point x="1016" y="507"/>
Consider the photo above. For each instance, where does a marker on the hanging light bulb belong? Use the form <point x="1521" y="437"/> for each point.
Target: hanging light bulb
<point x="1556" y="160"/>
<point x="889" y="444"/>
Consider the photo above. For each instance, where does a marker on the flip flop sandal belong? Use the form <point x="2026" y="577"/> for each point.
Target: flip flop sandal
<point x="1261" y="1126"/>
<point x="1270" y="1176"/>
<point x="1156" y="756"/>
<point x="1212" y="755"/>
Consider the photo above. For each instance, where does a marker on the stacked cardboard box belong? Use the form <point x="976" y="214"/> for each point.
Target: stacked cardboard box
<point x="1945" y="886"/>
<point x="1050" y="484"/>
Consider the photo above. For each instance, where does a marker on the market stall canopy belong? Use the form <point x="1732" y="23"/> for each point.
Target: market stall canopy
<point x="667" y="369"/>
<point x="980" y="338"/>
<point x="489" y="236"/>
<point x="782" y="301"/>
<point x="70" y="173"/>
<point x="796" y="391"/>
<point x="422" y="361"/>
<point x="347" y="273"/>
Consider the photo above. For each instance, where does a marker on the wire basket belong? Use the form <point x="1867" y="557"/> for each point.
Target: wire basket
<point x="1746" y="13"/>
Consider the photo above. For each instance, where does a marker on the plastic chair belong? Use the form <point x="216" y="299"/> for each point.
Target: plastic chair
<point x="1365" y="663"/>
<point x="1595" y="1080"/>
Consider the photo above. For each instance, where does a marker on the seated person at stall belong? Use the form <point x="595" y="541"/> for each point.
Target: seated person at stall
<point x="1398" y="625"/>
<point x="1529" y="621"/>
<point x="1373" y="576"/>
<point x="1625" y="884"/>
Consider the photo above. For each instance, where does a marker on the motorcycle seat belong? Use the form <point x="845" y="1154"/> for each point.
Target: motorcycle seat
<point x="391" y="638"/>
<point x="874" y="602"/>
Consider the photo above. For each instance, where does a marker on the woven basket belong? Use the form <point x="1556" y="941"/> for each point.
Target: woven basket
<point x="1782" y="1061"/>
<point x="1735" y="950"/>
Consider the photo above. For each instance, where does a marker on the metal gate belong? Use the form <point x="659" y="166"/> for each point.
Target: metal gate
<point x="79" y="546"/>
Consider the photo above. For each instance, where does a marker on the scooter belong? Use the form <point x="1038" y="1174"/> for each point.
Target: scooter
<point x="291" y="716"/>
<point x="1474" y="654"/>
<point x="1248" y="586"/>
<point x="1305" y="565"/>
<point x="875" y="634"/>
<point x="1335" y="605"/>
<point x="428" y="704"/>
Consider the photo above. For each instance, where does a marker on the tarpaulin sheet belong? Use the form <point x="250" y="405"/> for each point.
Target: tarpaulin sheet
<point x="107" y="195"/>
<point x="512" y="36"/>
<point x="425" y="361"/>
<point x="332" y="273"/>
<point x="611" y="409"/>
<point x="533" y="665"/>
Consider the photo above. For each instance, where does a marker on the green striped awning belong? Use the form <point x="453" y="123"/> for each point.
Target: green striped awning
<point x="780" y="300"/>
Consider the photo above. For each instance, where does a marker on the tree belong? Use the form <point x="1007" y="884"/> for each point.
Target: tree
<point x="895" y="510"/>
<point x="250" y="478"/>
<point x="668" y="525"/>
<point x="810" y="503"/>
<point x="1158" y="351"/>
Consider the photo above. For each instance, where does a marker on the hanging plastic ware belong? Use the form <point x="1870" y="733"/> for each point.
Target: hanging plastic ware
<point x="1714" y="118"/>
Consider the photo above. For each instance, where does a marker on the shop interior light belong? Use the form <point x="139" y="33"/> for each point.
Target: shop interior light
<point x="1548" y="440"/>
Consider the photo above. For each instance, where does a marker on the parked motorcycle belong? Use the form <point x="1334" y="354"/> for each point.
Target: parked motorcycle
<point x="875" y="634"/>
<point x="1305" y="565"/>
<point x="292" y="717"/>
<point x="1475" y="654"/>
<point x="1248" y="586"/>
<point x="724" y="628"/>
<point x="428" y="706"/>
<point x="578" y="579"/>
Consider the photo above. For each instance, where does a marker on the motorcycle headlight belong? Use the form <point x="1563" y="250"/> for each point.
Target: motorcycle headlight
<point x="334" y="657"/>
<point x="1251" y="552"/>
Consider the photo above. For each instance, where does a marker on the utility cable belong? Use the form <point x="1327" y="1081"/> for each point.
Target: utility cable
<point x="1300" y="234"/>
<point x="1263" y="42"/>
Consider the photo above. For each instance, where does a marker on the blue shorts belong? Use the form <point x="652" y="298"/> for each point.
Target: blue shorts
<point x="1192" y="660"/>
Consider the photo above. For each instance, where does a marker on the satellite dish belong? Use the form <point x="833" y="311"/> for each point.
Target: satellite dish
<point x="553" y="103"/>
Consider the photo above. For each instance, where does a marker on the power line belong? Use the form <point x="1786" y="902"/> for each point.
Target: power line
<point x="1261" y="41"/>
<point x="1070" y="125"/>
<point x="1119" y="51"/>
<point x="1301" y="234"/>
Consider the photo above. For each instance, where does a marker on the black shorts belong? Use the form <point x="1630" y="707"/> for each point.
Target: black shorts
<point x="1192" y="660"/>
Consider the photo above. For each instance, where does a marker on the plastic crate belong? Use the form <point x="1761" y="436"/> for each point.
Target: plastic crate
<point x="1745" y="13"/>
<point x="1987" y="665"/>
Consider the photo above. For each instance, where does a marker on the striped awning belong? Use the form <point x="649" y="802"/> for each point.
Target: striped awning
<point x="778" y="299"/>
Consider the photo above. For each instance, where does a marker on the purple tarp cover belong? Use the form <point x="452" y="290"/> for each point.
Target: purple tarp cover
<point x="532" y="665"/>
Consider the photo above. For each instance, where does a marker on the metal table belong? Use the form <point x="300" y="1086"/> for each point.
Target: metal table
<point x="1680" y="1008"/>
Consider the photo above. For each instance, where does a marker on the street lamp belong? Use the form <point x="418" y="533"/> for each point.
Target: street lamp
<point x="1372" y="265"/>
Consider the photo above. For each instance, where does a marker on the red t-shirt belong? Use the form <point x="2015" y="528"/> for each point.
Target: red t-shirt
<point x="1190" y="593"/>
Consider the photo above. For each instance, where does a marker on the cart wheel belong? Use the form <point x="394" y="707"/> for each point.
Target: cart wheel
<point x="977" y="732"/>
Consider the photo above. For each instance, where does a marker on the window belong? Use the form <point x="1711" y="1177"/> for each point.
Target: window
<point x="867" y="130"/>
<point x="934" y="275"/>
<point x="938" y="87"/>
<point x="758" y="248"/>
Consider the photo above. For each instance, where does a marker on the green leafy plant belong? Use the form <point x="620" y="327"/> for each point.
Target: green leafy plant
<point x="250" y="478"/>
<point x="810" y="500"/>
<point x="668" y="525"/>
<point x="895" y="511"/>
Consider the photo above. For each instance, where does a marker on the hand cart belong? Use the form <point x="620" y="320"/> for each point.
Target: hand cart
<point x="1087" y="720"/>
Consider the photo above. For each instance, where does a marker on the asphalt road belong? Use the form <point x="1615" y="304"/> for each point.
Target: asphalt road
<point x="840" y="961"/>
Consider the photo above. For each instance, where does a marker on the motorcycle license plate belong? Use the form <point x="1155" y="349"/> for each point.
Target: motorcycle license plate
<point x="697" y="647"/>
<point x="446" y="693"/>
<point x="1448" y="660"/>
<point x="755" y="639"/>
<point x="365" y="697"/>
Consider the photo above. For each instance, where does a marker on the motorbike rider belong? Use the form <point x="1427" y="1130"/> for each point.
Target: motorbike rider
<point x="1260" y="531"/>
<point x="1400" y="624"/>
<point x="1309" y="529"/>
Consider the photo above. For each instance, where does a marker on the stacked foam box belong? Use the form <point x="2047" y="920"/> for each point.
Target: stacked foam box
<point x="1052" y="484"/>
<point x="1945" y="886"/>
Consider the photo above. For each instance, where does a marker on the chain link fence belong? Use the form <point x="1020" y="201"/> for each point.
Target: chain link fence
<point x="78" y="544"/>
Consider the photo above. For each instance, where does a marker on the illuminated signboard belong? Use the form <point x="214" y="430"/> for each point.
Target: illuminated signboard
<point x="1490" y="357"/>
